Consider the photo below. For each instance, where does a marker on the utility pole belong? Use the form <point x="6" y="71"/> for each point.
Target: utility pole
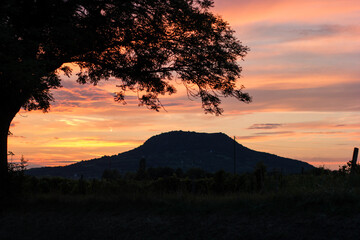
<point x="234" y="155"/>
<point x="354" y="159"/>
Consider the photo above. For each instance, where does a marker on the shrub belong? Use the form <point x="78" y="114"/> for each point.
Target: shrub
<point x="195" y="173"/>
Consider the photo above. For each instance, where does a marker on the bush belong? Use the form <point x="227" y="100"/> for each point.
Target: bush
<point x="166" y="184"/>
<point x="219" y="181"/>
<point x="160" y="172"/>
<point x="195" y="173"/>
<point x="111" y="175"/>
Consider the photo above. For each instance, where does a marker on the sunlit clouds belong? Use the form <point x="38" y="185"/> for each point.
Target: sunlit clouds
<point x="302" y="71"/>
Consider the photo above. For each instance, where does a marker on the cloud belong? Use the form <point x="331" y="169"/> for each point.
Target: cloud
<point x="328" y="124"/>
<point x="240" y="12"/>
<point x="274" y="133"/>
<point x="88" y="142"/>
<point x="296" y="43"/>
<point x="263" y="136"/>
<point x="14" y="136"/>
<point x="343" y="133"/>
<point x="333" y="98"/>
<point x="74" y="95"/>
<point x="276" y="33"/>
<point x="265" y="126"/>
<point x="172" y="104"/>
<point x="324" y="133"/>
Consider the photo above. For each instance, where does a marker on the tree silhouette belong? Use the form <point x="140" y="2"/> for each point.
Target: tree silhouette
<point x="142" y="43"/>
<point x="141" y="172"/>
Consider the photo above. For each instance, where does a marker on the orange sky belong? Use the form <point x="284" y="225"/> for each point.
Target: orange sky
<point x="302" y="71"/>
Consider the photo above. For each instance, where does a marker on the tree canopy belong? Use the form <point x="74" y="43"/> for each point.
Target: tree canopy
<point x="143" y="43"/>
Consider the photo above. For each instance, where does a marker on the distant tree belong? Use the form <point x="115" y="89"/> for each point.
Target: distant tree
<point x="219" y="181"/>
<point x="110" y="175"/>
<point x="195" y="173"/>
<point x="159" y="172"/>
<point x="179" y="173"/>
<point x="142" y="43"/>
<point x="259" y="172"/>
<point x="141" y="172"/>
<point x="18" y="168"/>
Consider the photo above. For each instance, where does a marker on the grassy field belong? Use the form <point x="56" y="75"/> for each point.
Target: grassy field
<point x="317" y="205"/>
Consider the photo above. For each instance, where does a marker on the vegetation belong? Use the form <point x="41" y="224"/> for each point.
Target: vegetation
<point x="314" y="188"/>
<point x="143" y="43"/>
<point x="164" y="201"/>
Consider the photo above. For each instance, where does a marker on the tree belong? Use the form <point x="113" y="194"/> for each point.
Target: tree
<point x="142" y="43"/>
<point x="141" y="172"/>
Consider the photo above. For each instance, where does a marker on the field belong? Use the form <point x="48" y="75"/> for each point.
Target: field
<point x="321" y="204"/>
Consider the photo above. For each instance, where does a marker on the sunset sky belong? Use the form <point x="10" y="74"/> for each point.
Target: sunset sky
<point x="303" y="72"/>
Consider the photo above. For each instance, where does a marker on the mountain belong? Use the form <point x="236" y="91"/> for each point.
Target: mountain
<point x="179" y="149"/>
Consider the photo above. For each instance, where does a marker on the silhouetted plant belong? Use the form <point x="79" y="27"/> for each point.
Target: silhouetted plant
<point x="155" y="173"/>
<point x="166" y="184"/>
<point x="81" y="186"/>
<point x="259" y="172"/>
<point x="111" y="175"/>
<point x="13" y="185"/>
<point x="179" y="173"/>
<point x="236" y="182"/>
<point x="44" y="185"/>
<point x="219" y="181"/>
<point x="144" y="44"/>
<point x="18" y="168"/>
<point x="277" y="176"/>
<point x="66" y="186"/>
<point x="348" y="168"/>
<point x="130" y="176"/>
<point x="141" y="172"/>
<point x="320" y="171"/>
<point x="195" y="173"/>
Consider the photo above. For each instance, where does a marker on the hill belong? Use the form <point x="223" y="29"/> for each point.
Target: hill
<point x="179" y="149"/>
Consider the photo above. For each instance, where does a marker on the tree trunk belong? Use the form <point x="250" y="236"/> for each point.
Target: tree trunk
<point x="5" y="121"/>
<point x="4" y="129"/>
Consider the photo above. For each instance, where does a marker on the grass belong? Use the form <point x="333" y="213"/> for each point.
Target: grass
<point x="315" y="206"/>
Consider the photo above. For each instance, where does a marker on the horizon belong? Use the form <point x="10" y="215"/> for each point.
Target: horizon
<point x="302" y="72"/>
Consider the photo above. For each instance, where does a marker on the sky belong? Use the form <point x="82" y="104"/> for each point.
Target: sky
<point x="303" y="72"/>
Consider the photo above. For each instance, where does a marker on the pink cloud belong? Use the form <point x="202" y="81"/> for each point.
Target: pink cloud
<point x="241" y="11"/>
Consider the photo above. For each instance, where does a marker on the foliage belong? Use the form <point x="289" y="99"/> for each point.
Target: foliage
<point x="141" y="43"/>
<point x="144" y="44"/>
<point x="349" y="168"/>
<point x="110" y="175"/>
<point x="260" y="171"/>
<point x="165" y="180"/>
<point x="195" y="173"/>
<point x="141" y="172"/>
<point x="13" y="185"/>
<point x="17" y="168"/>
<point x="156" y="173"/>
<point x="326" y="196"/>
<point x="325" y="189"/>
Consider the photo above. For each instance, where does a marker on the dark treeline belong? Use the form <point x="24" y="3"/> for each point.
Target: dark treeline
<point x="164" y="180"/>
<point x="159" y="202"/>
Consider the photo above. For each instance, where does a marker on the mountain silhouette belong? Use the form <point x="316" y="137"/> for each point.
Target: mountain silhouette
<point x="179" y="149"/>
